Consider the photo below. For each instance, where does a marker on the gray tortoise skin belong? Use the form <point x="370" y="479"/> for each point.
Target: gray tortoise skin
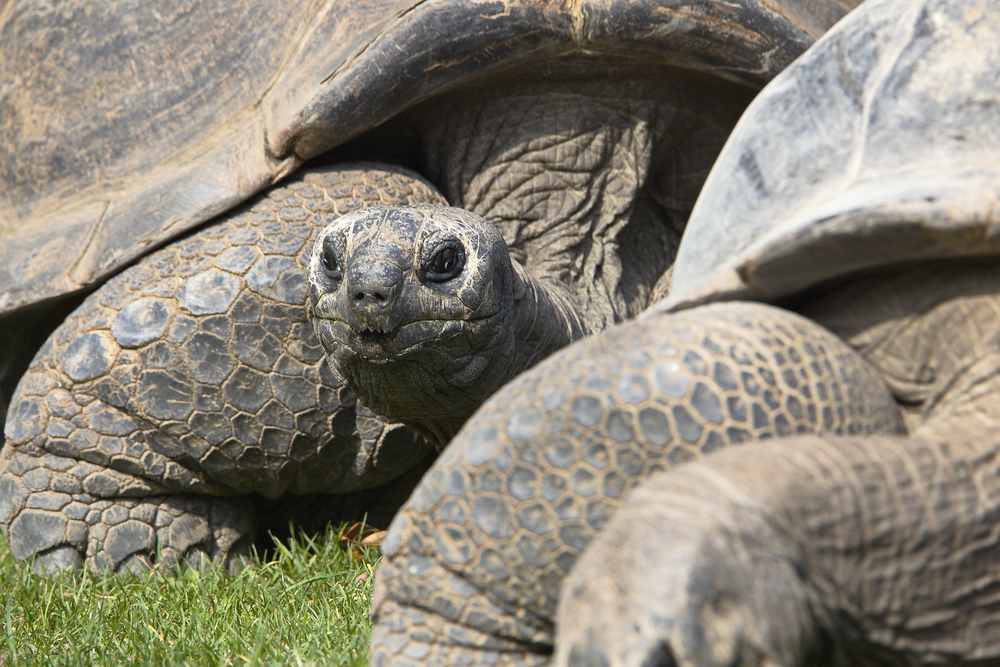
<point x="423" y="313"/>
<point x="475" y="561"/>
<point x="857" y="193"/>
<point x="185" y="405"/>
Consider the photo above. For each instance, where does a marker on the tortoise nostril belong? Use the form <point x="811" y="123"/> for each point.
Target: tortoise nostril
<point x="372" y="297"/>
<point x="373" y="284"/>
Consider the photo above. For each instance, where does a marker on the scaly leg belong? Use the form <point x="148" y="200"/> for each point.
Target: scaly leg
<point x="475" y="561"/>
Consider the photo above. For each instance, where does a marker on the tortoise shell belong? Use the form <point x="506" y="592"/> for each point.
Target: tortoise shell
<point x="900" y="164"/>
<point x="125" y="124"/>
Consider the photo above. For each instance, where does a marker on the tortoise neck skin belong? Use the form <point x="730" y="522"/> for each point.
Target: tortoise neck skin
<point x="544" y="321"/>
<point x="589" y="169"/>
<point x="423" y="314"/>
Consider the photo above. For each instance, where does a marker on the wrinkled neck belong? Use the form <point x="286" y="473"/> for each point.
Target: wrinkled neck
<point x="559" y="176"/>
<point x="561" y="159"/>
<point x="541" y="320"/>
<point x="545" y="320"/>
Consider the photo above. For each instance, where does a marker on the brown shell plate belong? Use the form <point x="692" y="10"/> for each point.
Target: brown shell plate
<point x="124" y="124"/>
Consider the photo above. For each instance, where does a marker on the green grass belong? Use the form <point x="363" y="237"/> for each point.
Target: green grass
<point x="307" y="605"/>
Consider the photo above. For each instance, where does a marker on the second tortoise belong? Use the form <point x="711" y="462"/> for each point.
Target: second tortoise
<point x="835" y="313"/>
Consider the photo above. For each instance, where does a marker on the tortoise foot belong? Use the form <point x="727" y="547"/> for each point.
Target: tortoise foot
<point x="417" y="636"/>
<point x="712" y="581"/>
<point x="48" y="516"/>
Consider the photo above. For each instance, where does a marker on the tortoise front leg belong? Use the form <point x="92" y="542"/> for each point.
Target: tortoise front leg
<point x="474" y="563"/>
<point x="196" y="374"/>
<point x="65" y="513"/>
<point x="801" y="551"/>
<point x="811" y="550"/>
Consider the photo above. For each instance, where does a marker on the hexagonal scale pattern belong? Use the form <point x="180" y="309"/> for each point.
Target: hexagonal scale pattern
<point x="191" y="376"/>
<point x="475" y="560"/>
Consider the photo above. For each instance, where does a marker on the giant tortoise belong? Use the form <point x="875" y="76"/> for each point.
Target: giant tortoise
<point x="185" y="400"/>
<point x="836" y="294"/>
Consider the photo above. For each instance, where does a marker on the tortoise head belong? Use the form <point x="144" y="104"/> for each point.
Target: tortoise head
<point x="413" y="306"/>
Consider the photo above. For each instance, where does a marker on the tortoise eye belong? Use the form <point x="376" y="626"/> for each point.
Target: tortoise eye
<point x="330" y="266"/>
<point x="445" y="264"/>
<point x="445" y="261"/>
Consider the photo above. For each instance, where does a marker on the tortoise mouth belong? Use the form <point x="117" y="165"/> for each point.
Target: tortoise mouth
<point x="410" y="339"/>
<point x="373" y="336"/>
<point x="404" y="340"/>
<point x="385" y="345"/>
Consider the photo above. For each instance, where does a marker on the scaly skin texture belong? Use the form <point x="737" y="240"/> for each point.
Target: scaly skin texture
<point x="589" y="170"/>
<point x="803" y="551"/>
<point x="475" y="560"/>
<point x="195" y="372"/>
<point x="867" y="551"/>
<point x="192" y="383"/>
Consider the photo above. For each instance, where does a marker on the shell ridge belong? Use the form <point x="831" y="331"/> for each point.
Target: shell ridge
<point x="85" y="247"/>
<point x="885" y="70"/>
<point x="355" y="57"/>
